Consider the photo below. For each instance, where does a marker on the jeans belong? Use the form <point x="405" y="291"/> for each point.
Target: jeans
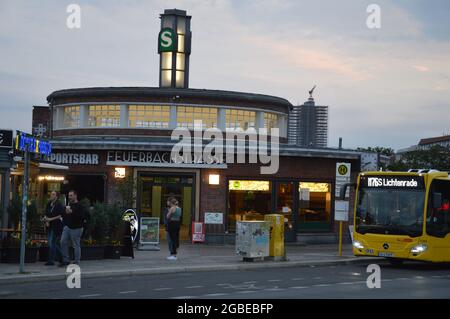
<point x="54" y="249"/>
<point x="71" y="237"/>
<point x="173" y="237"/>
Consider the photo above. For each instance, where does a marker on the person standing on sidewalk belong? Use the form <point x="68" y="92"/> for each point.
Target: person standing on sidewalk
<point x="73" y="228"/>
<point x="53" y="215"/>
<point x="173" y="226"/>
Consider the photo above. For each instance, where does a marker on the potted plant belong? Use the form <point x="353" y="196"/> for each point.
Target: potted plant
<point x="15" y="211"/>
<point x="95" y="235"/>
<point x="43" y="253"/>
<point x="113" y="248"/>
<point x="91" y="250"/>
<point x="11" y="250"/>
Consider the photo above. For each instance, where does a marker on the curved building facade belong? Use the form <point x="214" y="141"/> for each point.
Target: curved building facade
<point x="157" y="111"/>
<point x="115" y="145"/>
<point x="108" y="135"/>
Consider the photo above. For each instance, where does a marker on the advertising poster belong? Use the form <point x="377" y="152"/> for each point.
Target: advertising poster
<point x="214" y="218"/>
<point x="149" y="230"/>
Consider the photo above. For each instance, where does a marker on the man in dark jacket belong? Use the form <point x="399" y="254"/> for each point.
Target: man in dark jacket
<point x="53" y="220"/>
<point x="73" y="220"/>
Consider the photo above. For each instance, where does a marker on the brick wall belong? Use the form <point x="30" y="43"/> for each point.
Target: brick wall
<point x="214" y="198"/>
<point x="41" y="119"/>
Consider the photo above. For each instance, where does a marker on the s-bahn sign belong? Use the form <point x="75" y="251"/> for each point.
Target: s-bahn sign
<point x="167" y="40"/>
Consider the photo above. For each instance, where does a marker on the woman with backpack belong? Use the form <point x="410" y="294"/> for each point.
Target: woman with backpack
<point x="173" y="227"/>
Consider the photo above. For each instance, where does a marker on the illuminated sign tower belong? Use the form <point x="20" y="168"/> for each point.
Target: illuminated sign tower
<point x="174" y="48"/>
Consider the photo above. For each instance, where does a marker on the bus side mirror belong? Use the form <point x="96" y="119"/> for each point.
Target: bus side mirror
<point x="437" y="200"/>
<point x="343" y="190"/>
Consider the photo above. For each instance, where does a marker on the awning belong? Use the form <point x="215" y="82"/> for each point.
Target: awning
<point x="53" y="166"/>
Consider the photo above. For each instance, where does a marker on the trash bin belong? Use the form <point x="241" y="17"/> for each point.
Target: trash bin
<point x="276" y="243"/>
<point x="252" y="239"/>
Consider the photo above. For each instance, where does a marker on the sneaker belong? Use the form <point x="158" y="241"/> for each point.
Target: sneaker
<point x="172" y="258"/>
<point x="63" y="264"/>
<point x="49" y="263"/>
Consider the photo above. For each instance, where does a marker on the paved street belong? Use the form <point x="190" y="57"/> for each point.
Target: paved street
<point x="191" y="258"/>
<point x="340" y="281"/>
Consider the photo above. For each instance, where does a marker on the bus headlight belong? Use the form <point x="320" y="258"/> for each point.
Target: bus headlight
<point x="358" y="245"/>
<point x="419" y="249"/>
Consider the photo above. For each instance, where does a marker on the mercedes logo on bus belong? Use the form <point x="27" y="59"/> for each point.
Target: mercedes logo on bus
<point x="386" y="246"/>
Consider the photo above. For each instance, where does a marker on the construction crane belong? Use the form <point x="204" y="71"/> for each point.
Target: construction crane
<point x="311" y="91"/>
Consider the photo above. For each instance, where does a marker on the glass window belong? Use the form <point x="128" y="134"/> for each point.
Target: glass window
<point x="285" y="201"/>
<point x="390" y="211"/>
<point x="314" y="206"/>
<point x="104" y="115"/>
<point x="181" y="25"/>
<point x="180" y="61"/>
<point x="179" y="79"/>
<point x="438" y="218"/>
<point x="187" y="114"/>
<point x="71" y="116"/>
<point x="180" y="43"/>
<point x="166" y="60"/>
<point x="166" y="78"/>
<point x="270" y="120"/>
<point x="248" y="200"/>
<point x="153" y="116"/>
<point x="240" y="118"/>
<point x="168" y="22"/>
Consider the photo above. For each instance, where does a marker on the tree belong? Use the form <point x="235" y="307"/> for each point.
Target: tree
<point x="378" y="149"/>
<point x="436" y="157"/>
<point x="126" y="188"/>
<point x="15" y="214"/>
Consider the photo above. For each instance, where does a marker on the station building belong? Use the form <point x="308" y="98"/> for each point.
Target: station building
<point x="103" y="135"/>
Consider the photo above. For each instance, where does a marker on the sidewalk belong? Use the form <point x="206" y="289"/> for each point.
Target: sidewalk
<point x="191" y="258"/>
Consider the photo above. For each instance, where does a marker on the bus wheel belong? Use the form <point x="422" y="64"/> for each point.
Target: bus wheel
<point x="395" y="261"/>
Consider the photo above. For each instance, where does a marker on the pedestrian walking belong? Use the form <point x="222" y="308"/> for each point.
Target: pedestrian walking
<point x="73" y="219"/>
<point x="173" y="227"/>
<point x="53" y="219"/>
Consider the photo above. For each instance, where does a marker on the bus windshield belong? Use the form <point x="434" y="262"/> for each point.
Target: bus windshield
<point x="390" y="211"/>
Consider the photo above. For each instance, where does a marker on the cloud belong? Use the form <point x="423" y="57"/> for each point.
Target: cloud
<point x="421" y="68"/>
<point x="379" y="84"/>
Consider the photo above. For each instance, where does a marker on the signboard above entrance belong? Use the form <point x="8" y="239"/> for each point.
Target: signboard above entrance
<point x="156" y="159"/>
<point x="74" y="158"/>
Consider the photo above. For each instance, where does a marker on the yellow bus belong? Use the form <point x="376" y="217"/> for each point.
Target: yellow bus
<point x="403" y="216"/>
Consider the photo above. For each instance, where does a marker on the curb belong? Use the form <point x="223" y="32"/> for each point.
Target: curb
<point x="161" y="270"/>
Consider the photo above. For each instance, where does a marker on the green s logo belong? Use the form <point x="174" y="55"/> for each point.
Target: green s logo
<point x="167" y="40"/>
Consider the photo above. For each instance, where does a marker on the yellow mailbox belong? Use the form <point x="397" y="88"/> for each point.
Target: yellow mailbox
<point x="276" y="244"/>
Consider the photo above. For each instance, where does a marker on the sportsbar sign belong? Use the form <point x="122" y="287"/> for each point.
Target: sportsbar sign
<point x="409" y="182"/>
<point x="74" y="158"/>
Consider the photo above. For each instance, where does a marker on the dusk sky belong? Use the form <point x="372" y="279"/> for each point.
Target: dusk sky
<point x="384" y="87"/>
